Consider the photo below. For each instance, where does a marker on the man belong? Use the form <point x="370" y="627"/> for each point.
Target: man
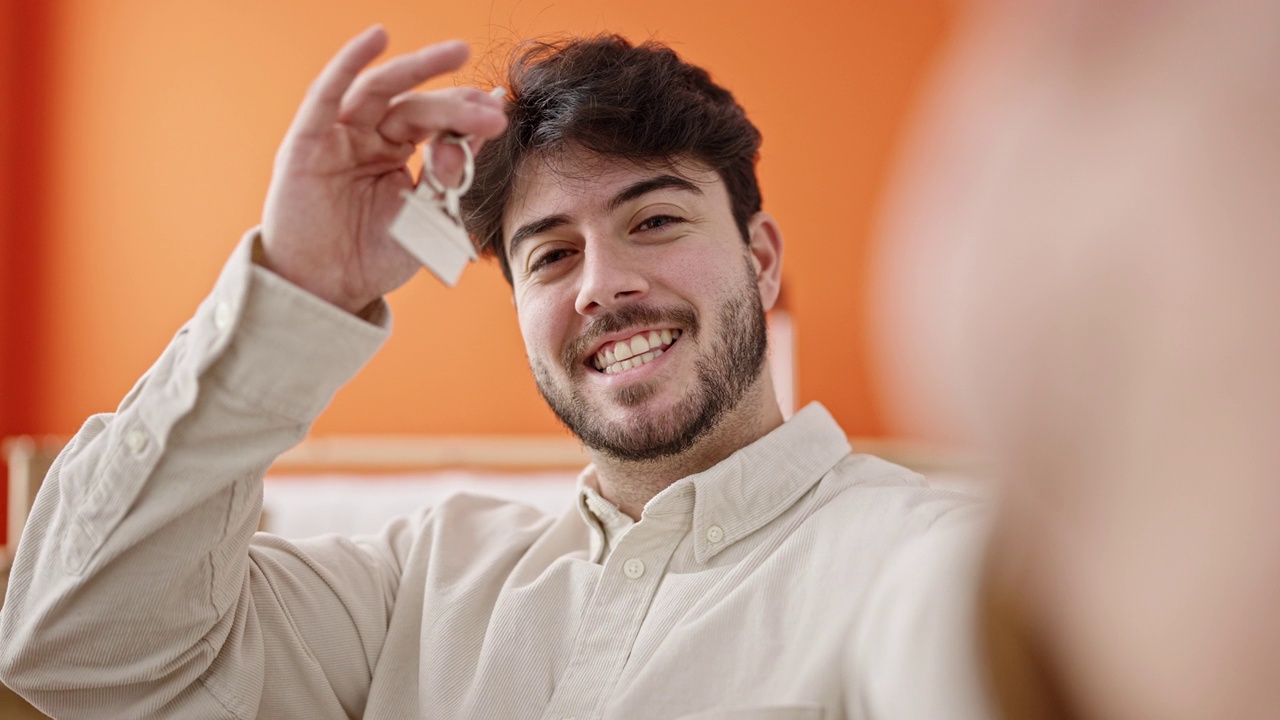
<point x="717" y="562"/>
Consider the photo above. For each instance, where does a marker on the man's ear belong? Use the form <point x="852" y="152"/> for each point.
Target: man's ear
<point x="764" y="242"/>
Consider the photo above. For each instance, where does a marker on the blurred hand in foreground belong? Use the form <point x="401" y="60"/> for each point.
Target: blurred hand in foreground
<point x="1093" y="203"/>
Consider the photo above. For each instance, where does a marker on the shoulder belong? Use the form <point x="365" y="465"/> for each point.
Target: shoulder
<point x="917" y="626"/>
<point x="473" y="517"/>
<point x="460" y="525"/>
<point x="872" y="492"/>
<point x="920" y="627"/>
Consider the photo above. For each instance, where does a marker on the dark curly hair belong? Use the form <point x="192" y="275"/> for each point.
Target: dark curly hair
<point x="639" y="103"/>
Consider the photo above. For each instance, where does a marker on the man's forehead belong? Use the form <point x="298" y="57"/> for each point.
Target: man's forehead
<point x="575" y="177"/>
<point x="568" y="181"/>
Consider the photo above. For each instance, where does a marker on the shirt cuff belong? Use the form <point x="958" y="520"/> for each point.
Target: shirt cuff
<point x="278" y="347"/>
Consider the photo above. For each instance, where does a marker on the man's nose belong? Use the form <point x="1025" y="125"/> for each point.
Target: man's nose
<point x="611" y="276"/>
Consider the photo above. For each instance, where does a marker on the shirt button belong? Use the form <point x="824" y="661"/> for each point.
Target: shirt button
<point x="715" y="534"/>
<point x="222" y="316"/>
<point x="136" y="440"/>
<point x="633" y="568"/>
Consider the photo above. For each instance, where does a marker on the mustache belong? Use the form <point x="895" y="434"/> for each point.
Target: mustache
<point x="623" y="318"/>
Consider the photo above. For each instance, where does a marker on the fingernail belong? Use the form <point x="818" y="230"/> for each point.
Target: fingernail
<point x="492" y="99"/>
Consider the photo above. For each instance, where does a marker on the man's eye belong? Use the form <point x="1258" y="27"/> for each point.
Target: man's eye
<point x="548" y="258"/>
<point x="658" y="221"/>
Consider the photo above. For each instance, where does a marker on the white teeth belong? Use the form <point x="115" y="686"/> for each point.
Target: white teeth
<point x="622" y="350"/>
<point x="627" y="354"/>
<point x="633" y="362"/>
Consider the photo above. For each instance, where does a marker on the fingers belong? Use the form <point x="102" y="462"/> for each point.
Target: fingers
<point x="323" y="101"/>
<point x="415" y="117"/>
<point x="367" y="101"/>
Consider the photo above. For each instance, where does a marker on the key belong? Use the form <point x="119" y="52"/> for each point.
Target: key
<point x="429" y="225"/>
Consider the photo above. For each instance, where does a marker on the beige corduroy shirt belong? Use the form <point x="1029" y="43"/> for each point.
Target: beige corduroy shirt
<point x="792" y="580"/>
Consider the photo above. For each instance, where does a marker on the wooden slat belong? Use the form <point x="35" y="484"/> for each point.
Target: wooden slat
<point x="419" y="452"/>
<point x="29" y="458"/>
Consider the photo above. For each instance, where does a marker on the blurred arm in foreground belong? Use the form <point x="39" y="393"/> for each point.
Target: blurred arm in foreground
<point x="1091" y="204"/>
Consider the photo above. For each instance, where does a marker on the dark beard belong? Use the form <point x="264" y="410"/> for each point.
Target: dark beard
<point x="731" y="365"/>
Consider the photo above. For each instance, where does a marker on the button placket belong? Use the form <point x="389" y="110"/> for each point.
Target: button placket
<point x="612" y="621"/>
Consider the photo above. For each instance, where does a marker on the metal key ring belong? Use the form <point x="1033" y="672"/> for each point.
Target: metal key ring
<point x="468" y="168"/>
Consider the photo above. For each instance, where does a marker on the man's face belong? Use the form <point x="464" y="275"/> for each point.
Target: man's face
<point x="638" y="300"/>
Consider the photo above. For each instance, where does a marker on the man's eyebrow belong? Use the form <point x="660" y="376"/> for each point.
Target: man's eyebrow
<point x="528" y="230"/>
<point x="661" y="182"/>
<point x="627" y="194"/>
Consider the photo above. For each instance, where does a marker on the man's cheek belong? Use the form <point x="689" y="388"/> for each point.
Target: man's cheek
<point x="534" y="329"/>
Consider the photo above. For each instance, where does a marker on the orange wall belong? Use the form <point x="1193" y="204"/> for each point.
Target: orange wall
<point x="165" y="116"/>
<point x="25" y="31"/>
<point x="8" y="343"/>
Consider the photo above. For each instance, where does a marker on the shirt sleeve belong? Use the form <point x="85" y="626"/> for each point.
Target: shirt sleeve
<point x="139" y="588"/>
<point x="916" y="654"/>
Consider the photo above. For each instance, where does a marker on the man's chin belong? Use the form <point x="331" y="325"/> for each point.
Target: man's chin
<point x="637" y="395"/>
<point x="639" y="434"/>
<point x="635" y="406"/>
<point x="635" y="403"/>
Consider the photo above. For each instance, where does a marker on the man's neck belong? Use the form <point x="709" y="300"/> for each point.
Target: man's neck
<point x="631" y="484"/>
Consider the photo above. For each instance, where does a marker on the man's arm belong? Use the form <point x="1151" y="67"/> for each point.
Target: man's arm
<point x="135" y="591"/>
<point x="138" y="590"/>
<point x="1099" y="180"/>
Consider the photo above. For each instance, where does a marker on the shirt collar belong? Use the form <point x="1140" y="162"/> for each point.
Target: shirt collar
<point x="737" y="496"/>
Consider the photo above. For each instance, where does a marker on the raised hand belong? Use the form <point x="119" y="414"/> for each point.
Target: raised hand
<point x="340" y="171"/>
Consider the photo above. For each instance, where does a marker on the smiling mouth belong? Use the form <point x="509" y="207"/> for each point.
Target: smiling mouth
<point x="633" y="352"/>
